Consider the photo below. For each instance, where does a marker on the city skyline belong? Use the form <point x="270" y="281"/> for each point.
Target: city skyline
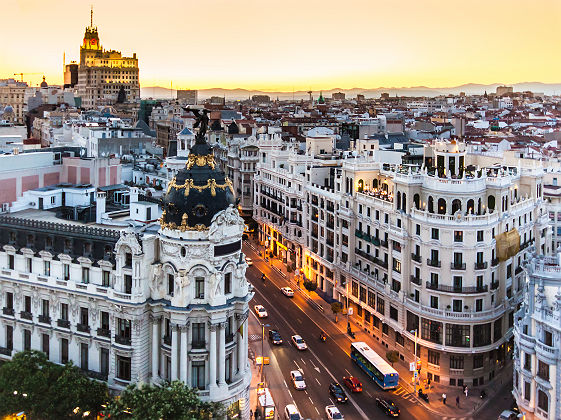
<point x="295" y="46"/>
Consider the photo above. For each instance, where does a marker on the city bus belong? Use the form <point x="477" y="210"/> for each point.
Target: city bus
<point x="374" y="365"/>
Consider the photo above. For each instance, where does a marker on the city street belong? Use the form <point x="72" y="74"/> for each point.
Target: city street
<point x="322" y="363"/>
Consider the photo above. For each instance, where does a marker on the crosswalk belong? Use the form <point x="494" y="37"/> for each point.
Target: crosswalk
<point x="403" y="393"/>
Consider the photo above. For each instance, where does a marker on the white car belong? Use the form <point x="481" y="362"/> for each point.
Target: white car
<point x="260" y="311"/>
<point x="510" y="415"/>
<point x="248" y="261"/>
<point x="287" y="291"/>
<point x="297" y="379"/>
<point x="292" y="413"/>
<point x="299" y="342"/>
<point x="333" y="413"/>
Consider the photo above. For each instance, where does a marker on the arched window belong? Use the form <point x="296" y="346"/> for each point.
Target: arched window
<point x="398" y="200"/>
<point x="470" y="206"/>
<point x="441" y="206"/>
<point x="416" y="200"/>
<point x="456" y="205"/>
<point x="360" y="185"/>
<point x="431" y="205"/>
<point x="543" y="401"/>
<point x="404" y="202"/>
<point x="491" y="202"/>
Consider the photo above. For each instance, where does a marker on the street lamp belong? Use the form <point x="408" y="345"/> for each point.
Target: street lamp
<point x="262" y="349"/>
<point x="415" y="372"/>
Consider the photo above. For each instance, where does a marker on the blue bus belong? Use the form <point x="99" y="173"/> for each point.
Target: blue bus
<point x="374" y="365"/>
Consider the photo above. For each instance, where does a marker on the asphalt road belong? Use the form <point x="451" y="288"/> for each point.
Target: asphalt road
<point x="322" y="363"/>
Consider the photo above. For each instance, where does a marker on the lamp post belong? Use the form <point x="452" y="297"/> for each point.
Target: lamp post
<point x="262" y="348"/>
<point x="415" y="371"/>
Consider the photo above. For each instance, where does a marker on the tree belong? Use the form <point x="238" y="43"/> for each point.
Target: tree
<point x="45" y="390"/>
<point x="336" y="308"/>
<point x="171" y="400"/>
<point x="392" y="356"/>
<point x="310" y="286"/>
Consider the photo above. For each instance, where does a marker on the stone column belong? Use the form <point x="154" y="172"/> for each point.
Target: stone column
<point x="174" y="344"/>
<point x="245" y="344"/>
<point x="212" y="356"/>
<point x="222" y="354"/>
<point x="189" y="341"/>
<point x="183" y="353"/>
<point x="239" y="343"/>
<point x="155" y="348"/>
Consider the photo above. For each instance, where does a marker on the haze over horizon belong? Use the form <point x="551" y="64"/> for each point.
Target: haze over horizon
<point x="294" y="45"/>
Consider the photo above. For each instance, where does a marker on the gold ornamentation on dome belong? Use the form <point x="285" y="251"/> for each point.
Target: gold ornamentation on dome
<point x="162" y="223"/>
<point x="200" y="160"/>
<point x="184" y="220"/>
<point x="211" y="183"/>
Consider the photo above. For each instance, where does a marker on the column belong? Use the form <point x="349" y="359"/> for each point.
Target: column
<point x="183" y="354"/>
<point x="212" y="357"/>
<point x="189" y="340"/>
<point x="174" y="333"/>
<point x="221" y="354"/>
<point x="155" y="348"/>
<point x="245" y="344"/>
<point x="239" y="343"/>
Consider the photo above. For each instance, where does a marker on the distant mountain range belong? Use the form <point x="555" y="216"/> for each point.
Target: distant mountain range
<point x="158" y="92"/>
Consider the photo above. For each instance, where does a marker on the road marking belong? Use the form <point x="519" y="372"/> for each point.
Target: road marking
<point x="315" y="367"/>
<point x="331" y="401"/>
<point x="285" y="383"/>
<point x="297" y="365"/>
<point x="330" y="352"/>
<point x="299" y="320"/>
<point x="302" y="360"/>
<point x="316" y="409"/>
<point x="369" y="394"/>
<point x="311" y="399"/>
<point x="346" y="370"/>
<point x="318" y="381"/>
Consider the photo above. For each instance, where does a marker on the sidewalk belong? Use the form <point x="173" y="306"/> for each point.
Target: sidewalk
<point x="468" y="405"/>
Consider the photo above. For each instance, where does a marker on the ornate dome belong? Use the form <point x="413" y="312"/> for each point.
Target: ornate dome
<point x="197" y="192"/>
<point x="44" y="84"/>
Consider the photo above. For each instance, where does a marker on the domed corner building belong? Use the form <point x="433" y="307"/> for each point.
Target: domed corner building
<point x="200" y="293"/>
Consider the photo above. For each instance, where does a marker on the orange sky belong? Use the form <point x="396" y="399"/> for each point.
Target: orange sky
<point x="294" y="44"/>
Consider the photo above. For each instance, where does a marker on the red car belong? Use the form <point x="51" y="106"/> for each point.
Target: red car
<point x="352" y="383"/>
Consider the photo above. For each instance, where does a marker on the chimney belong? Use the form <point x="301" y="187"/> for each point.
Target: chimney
<point x="100" y="206"/>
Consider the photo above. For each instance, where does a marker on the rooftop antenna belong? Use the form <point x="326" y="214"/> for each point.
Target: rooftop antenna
<point x="91" y="17"/>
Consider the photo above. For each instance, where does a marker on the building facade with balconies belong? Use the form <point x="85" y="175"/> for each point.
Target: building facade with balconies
<point x="537" y="337"/>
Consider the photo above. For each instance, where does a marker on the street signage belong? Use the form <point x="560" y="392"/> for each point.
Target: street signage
<point x="415" y="374"/>
<point x="412" y="367"/>
<point x="350" y="311"/>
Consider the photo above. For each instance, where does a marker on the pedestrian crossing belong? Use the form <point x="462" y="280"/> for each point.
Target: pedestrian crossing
<point x="403" y="393"/>
<point x="254" y="337"/>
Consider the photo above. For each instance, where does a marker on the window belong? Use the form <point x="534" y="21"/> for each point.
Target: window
<point x="477" y="361"/>
<point x="479" y="236"/>
<point x="498" y="329"/>
<point x="434" y="280"/>
<point x="543" y="401"/>
<point x="543" y="370"/>
<point x="385" y="329"/>
<point x="200" y="287"/>
<point x="198" y="375"/>
<point x="105" y="276"/>
<point x="124" y="368"/>
<point x="64" y="311"/>
<point x="11" y="262"/>
<point x="104" y="361"/>
<point x="66" y="271"/>
<point x="26" y="340"/>
<point x="456" y="362"/>
<point x="381" y="305"/>
<point x="124" y="328"/>
<point x="104" y="322"/>
<point x="45" y="344"/>
<point x="456" y="305"/>
<point x="128" y="284"/>
<point x="399" y="339"/>
<point x="393" y="313"/>
<point x="417" y="230"/>
<point x="396" y="265"/>
<point x="84" y="356"/>
<point x="431" y="330"/>
<point x="371" y="299"/>
<point x="63" y="350"/>
<point x="435" y="234"/>
<point x="434" y="358"/>
<point x="481" y="335"/>
<point x="85" y="275"/>
<point x="47" y="268"/>
<point x="458" y="236"/>
<point x="528" y="361"/>
<point x="457" y="335"/>
<point x="9" y="300"/>
<point x="354" y="289"/>
<point x="362" y="296"/>
<point x="29" y="265"/>
<point x="548" y="338"/>
<point x="478" y="305"/>
<point x="457" y="282"/>
<point x="527" y="390"/>
<point x="84" y="316"/>
<point x="128" y="260"/>
<point x="27" y="303"/>
<point x="45" y="308"/>
<point x="227" y="283"/>
<point x="171" y="284"/>
<point x="434" y="302"/>
<point x="198" y="333"/>
<point x="9" y="337"/>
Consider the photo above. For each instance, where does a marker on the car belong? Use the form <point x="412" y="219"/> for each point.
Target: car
<point x="510" y="415"/>
<point x="333" y="413"/>
<point x="352" y="383"/>
<point x="275" y="337"/>
<point x="287" y="291"/>
<point x="297" y="379"/>
<point x="388" y="407"/>
<point x="299" y="342"/>
<point x="337" y="392"/>
<point x="291" y="413"/>
<point x="248" y="261"/>
<point x="261" y="311"/>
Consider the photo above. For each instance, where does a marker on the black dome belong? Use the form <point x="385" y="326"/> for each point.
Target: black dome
<point x="196" y="193"/>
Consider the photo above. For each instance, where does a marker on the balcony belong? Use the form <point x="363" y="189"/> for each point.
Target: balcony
<point x="44" y="319"/>
<point x="83" y="328"/>
<point x="415" y="257"/>
<point x="26" y="315"/>
<point x="104" y="332"/>
<point x="494" y="262"/>
<point x="546" y="350"/>
<point x="415" y="280"/>
<point x="8" y="311"/>
<point x="198" y="344"/>
<point x="121" y="339"/>
<point x="63" y="323"/>
<point x="100" y="376"/>
<point x="452" y="289"/>
<point x="457" y="266"/>
<point x="494" y="285"/>
<point x="433" y="263"/>
<point x="480" y="266"/>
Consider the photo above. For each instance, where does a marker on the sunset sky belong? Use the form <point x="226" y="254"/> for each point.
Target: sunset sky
<point x="294" y="44"/>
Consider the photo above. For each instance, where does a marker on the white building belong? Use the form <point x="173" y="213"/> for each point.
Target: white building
<point x="537" y="338"/>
